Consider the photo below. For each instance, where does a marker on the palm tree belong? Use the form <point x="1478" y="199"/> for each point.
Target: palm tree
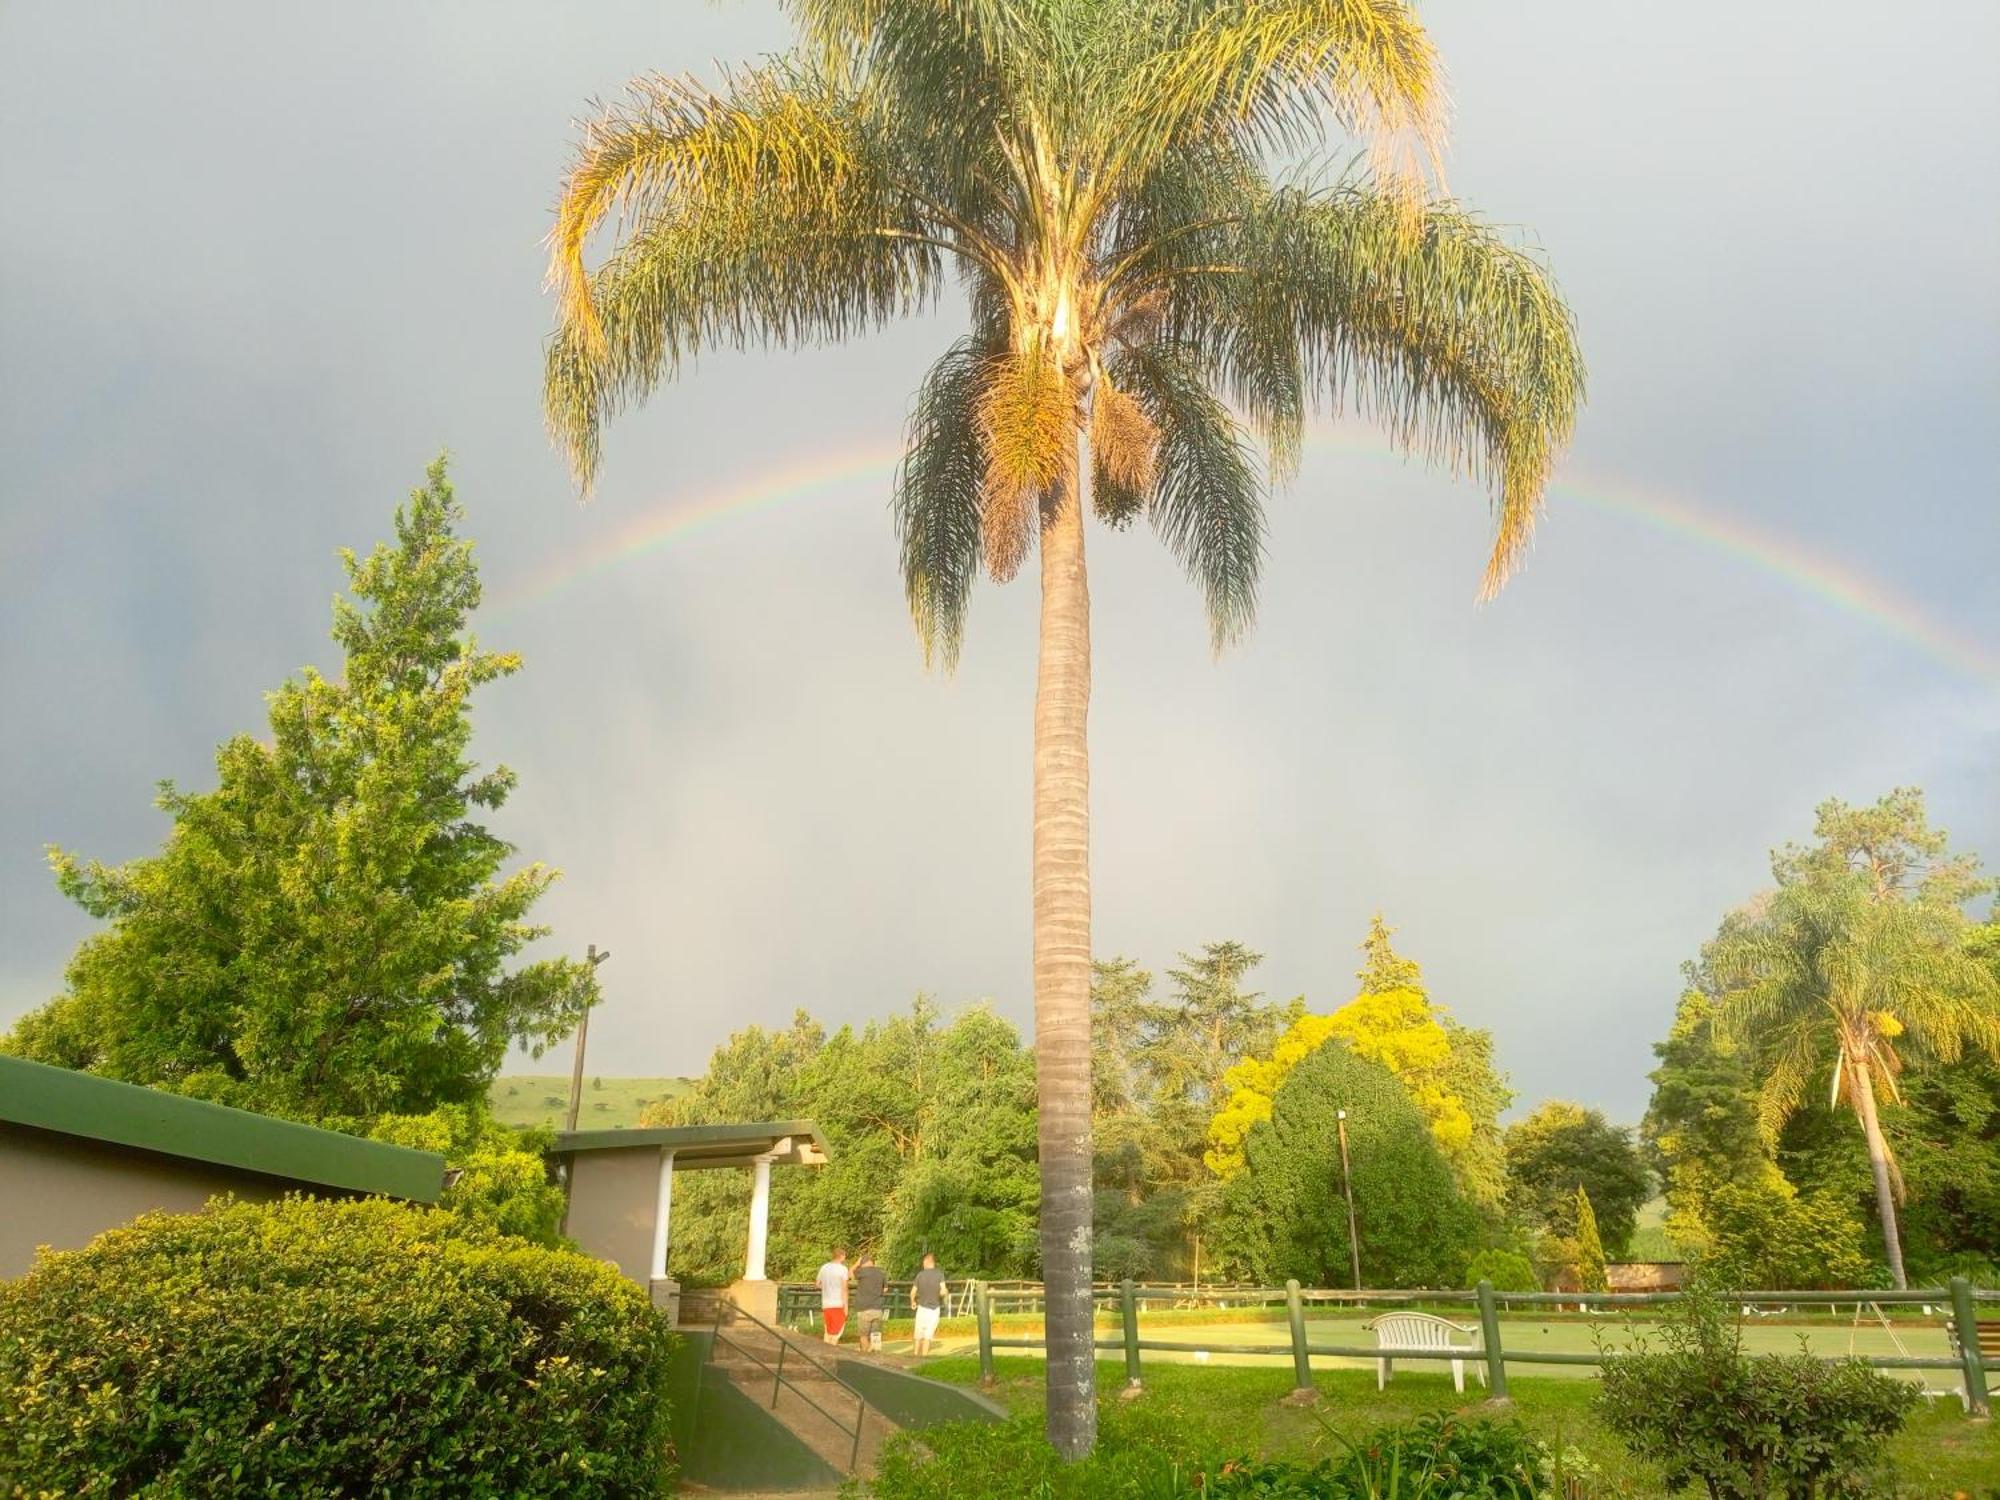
<point x="1143" y="299"/>
<point x="1836" y="962"/>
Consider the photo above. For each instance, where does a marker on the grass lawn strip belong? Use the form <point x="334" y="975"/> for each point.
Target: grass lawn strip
<point x="1238" y="1408"/>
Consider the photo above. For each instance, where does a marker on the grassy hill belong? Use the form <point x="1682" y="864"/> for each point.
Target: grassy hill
<point x="541" y="1098"/>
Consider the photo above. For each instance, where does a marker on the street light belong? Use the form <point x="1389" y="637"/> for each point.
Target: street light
<point x="1347" y="1185"/>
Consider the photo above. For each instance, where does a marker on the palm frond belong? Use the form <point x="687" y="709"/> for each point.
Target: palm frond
<point x="770" y="215"/>
<point x="1208" y="498"/>
<point x="937" y="500"/>
<point x="1455" y="342"/>
<point x="1266" y="71"/>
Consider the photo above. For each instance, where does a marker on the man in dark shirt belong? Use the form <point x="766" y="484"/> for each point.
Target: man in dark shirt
<point x="867" y="1295"/>
<point x="927" y="1294"/>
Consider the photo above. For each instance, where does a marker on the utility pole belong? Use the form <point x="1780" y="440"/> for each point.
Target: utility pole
<point x="593" y="958"/>
<point x="1347" y="1185"/>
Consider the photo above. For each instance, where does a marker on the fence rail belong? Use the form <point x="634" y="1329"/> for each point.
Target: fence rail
<point x="1960" y="1300"/>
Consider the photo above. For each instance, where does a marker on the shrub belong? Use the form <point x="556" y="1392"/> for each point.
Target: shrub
<point x="1508" y="1270"/>
<point x="1749" y="1428"/>
<point x="502" y="1176"/>
<point x="1438" y="1457"/>
<point x="314" y="1349"/>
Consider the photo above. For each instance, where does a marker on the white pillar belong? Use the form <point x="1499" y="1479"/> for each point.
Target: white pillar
<point x="760" y="1218"/>
<point x="663" y="1203"/>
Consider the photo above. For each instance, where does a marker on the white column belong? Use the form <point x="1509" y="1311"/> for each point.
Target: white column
<point x="760" y="1218"/>
<point x="663" y="1203"/>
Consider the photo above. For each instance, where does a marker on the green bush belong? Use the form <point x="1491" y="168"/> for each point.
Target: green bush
<point x="1756" y="1428"/>
<point x="307" y="1348"/>
<point x="502" y="1175"/>
<point x="1508" y="1270"/>
<point x="1437" y="1457"/>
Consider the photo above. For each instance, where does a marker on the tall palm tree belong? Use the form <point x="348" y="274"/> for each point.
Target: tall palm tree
<point x="1837" y="970"/>
<point x="1144" y="299"/>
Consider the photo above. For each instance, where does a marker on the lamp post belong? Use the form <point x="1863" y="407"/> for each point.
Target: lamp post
<point x="593" y="958"/>
<point x="1347" y="1186"/>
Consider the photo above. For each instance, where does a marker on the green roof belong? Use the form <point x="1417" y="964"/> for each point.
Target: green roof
<point x="127" y="1114"/>
<point x="699" y="1145"/>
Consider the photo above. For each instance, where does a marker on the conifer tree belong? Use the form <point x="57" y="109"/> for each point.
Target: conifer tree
<point x="327" y="932"/>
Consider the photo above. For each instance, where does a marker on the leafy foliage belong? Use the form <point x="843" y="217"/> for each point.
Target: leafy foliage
<point x="1415" y="1228"/>
<point x="1441" y="1456"/>
<point x="317" y="1349"/>
<point x="1749" y="1428"/>
<point x="1589" y="1248"/>
<point x="931" y="1129"/>
<point x="1447" y="1069"/>
<point x="1560" y="1147"/>
<point x="1508" y="1270"/>
<point x="501" y="1174"/>
<point x="327" y="932"/>
<point x="1860" y="970"/>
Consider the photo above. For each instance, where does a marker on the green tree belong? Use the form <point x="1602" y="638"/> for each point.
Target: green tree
<point x="1138" y="287"/>
<point x="327" y="932"/>
<point x="1284" y="1215"/>
<point x="1561" y="1147"/>
<point x="1447" y="1069"/>
<point x="930" y="1127"/>
<point x="499" y="1174"/>
<point x="1590" y="1275"/>
<point x="1857" y="966"/>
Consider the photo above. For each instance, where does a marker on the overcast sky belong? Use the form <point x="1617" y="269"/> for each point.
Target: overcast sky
<point x="260" y="263"/>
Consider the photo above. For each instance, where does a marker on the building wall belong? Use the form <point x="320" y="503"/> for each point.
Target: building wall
<point x="611" y="1196"/>
<point x="63" y="1191"/>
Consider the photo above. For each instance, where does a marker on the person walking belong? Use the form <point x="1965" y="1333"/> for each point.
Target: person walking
<point x="868" y="1298"/>
<point x="832" y="1279"/>
<point x="927" y="1294"/>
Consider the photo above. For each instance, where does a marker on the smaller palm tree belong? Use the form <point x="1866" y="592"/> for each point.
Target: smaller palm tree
<point x="1836" y="965"/>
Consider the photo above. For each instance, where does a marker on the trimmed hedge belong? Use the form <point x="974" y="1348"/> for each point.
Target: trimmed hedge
<point x="315" y="1349"/>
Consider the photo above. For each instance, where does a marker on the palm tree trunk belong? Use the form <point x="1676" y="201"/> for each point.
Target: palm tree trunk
<point x="1878" y="1161"/>
<point x="1062" y="973"/>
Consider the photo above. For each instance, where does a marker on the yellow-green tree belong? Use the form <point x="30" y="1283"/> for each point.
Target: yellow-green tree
<point x="1590" y="1273"/>
<point x="1445" y="1068"/>
<point x="1147" y="302"/>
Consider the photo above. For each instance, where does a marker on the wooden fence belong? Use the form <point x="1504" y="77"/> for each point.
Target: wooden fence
<point x="989" y="1298"/>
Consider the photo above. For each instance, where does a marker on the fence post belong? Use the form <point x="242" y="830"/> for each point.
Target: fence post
<point x="1129" y="1296"/>
<point x="1489" y="1335"/>
<point x="1304" y="1392"/>
<point x="1965" y="1319"/>
<point x="982" y="1310"/>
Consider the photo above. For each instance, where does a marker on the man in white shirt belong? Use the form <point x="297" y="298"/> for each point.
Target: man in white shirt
<point x="832" y="1279"/>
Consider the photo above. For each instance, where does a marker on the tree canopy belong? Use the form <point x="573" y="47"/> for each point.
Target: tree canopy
<point x="1447" y="1069"/>
<point x="931" y="1128"/>
<point x="1560" y="1147"/>
<point x="328" y="932"/>
<point x="1284" y="1213"/>
<point x="1857" y="967"/>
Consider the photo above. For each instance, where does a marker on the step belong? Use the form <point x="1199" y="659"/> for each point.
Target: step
<point x="827" y="1428"/>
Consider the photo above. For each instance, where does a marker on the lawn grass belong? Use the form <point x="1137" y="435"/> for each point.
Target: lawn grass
<point x="524" y="1099"/>
<point x="1234" y="1409"/>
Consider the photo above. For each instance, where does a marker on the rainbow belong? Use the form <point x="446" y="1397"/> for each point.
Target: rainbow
<point x="1777" y="555"/>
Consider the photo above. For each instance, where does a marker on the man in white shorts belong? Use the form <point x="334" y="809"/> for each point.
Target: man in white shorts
<point x="927" y="1294"/>
<point x="832" y="1279"/>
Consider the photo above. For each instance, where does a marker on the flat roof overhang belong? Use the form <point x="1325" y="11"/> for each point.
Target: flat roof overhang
<point x="781" y="1142"/>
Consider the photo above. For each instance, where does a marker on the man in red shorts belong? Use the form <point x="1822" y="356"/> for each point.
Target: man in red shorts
<point x="832" y="1279"/>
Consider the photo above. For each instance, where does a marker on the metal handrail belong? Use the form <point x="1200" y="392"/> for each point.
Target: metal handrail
<point x="778" y="1381"/>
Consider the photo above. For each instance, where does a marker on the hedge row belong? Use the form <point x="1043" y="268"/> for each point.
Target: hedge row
<point x="310" y="1348"/>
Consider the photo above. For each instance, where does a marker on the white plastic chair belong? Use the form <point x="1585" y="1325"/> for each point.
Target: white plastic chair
<point x="1414" y="1330"/>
